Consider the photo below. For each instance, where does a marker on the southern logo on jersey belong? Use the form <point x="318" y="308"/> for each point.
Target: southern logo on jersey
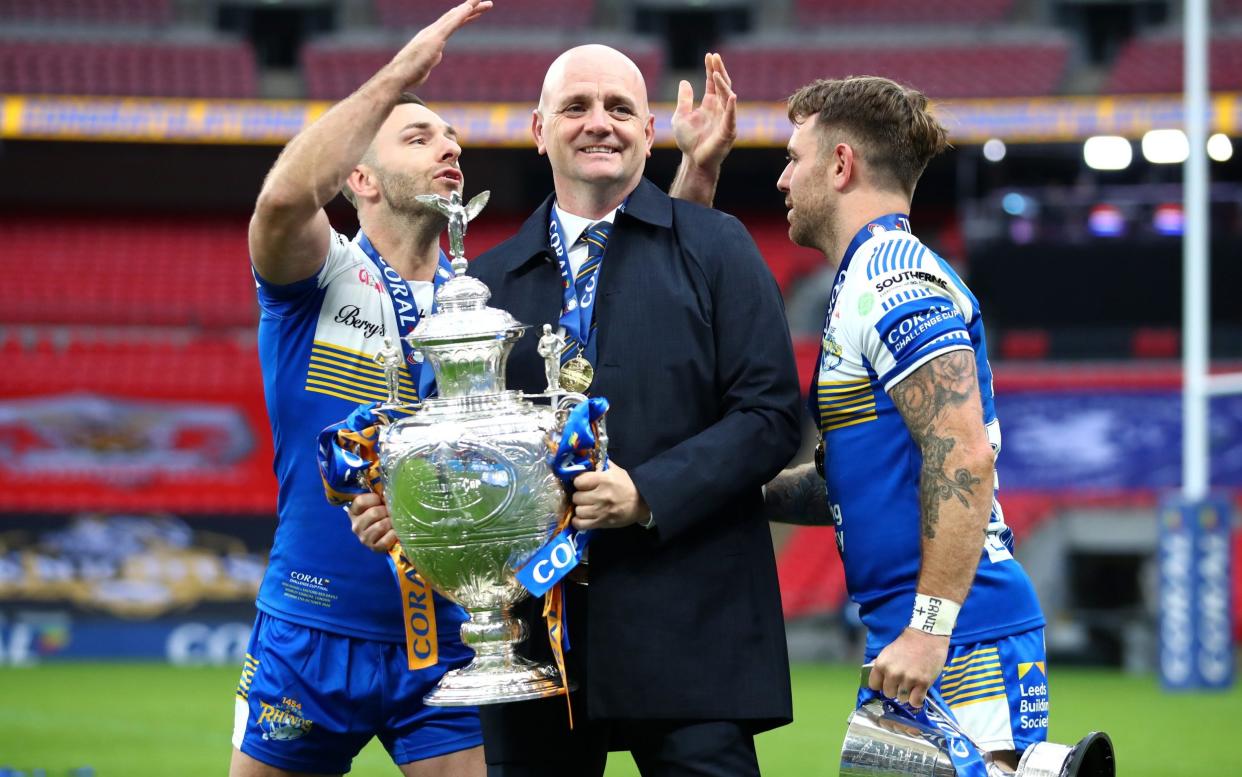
<point x="283" y="720"/>
<point x="844" y="403"/>
<point x="370" y="281"/>
<point x="830" y="354"/>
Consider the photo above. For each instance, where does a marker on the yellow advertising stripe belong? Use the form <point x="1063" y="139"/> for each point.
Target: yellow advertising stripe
<point x="349" y="386"/>
<point x="970" y="689"/>
<point x="847" y="407"/>
<point x="852" y="396"/>
<point x="342" y="349"/>
<point x="842" y="425"/>
<point x="341" y="395"/>
<point x="995" y="674"/>
<point x="983" y="654"/>
<point x="958" y="672"/>
<point x="844" y="386"/>
<point x="999" y="696"/>
<point x="367" y="381"/>
<point x="368" y="367"/>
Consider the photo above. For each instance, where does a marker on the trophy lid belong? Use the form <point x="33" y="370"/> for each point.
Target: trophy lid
<point x="464" y="315"/>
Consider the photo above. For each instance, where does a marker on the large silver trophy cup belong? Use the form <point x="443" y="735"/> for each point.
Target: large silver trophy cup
<point x="467" y="481"/>
<point x="880" y="743"/>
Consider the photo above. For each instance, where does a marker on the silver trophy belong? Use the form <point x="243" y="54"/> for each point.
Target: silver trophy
<point x="879" y="743"/>
<point x="468" y="485"/>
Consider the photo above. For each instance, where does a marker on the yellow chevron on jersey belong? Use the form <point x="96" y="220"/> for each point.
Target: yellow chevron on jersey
<point x="844" y="403"/>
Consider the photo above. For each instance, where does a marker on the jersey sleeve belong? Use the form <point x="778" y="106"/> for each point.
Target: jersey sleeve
<point x="288" y="299"/>
<point x="912" y="310"/>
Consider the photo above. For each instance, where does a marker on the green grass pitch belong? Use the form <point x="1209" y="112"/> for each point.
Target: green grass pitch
<point x="153" y="720"/>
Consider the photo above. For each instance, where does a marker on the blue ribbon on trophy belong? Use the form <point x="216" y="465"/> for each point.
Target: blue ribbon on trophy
<point x="543" y="574"/>
<point x="936" y="715"/>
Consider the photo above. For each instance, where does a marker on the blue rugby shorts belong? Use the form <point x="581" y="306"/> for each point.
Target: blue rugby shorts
<point x="310" y="700"/>
<point x="998" y="691"/>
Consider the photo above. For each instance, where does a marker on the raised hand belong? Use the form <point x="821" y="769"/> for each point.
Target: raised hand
<point x="425" y="50"/>
<point x="705" y="134"/>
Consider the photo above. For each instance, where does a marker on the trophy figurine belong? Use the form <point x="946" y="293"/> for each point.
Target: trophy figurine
<point x="389" y="357"/>
<point x="549" y="348"/>
<point x="468" y="485"/>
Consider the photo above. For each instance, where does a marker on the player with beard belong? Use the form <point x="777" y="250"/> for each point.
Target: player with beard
<point x="330" y="663"/>
<point x="903" y="398"/>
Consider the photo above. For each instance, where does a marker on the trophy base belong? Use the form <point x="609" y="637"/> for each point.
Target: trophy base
<point x="473" y="685"/>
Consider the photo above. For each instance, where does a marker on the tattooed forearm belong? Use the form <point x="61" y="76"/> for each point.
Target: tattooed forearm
<point x="943" y="384"/>
<point x="797" y="496"/>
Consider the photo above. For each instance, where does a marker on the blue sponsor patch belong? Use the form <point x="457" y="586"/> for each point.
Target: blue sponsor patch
<point x="908" y="328"/>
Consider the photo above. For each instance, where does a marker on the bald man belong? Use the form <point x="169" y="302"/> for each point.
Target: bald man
<point x="677" y="641"/>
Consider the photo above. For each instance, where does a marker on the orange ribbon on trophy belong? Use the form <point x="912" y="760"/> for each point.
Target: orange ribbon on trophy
<point x="349" y="465"/>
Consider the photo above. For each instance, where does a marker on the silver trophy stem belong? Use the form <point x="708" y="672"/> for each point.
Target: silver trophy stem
<point x="497" y="673"/>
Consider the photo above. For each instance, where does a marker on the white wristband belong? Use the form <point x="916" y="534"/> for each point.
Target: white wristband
<point x="934" y="615"/>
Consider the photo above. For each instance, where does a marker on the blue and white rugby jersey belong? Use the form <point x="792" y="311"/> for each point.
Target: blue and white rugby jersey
<point x="896" y="305"/>
<point x="317" y="343"/>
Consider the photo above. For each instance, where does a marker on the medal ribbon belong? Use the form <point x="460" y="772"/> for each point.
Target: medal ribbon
<point x="892" y="221"/>
<point x="349" y="466"/>
<point x="576" y="452"/>
<point x="580" y="292"/>
<point x="407" y="310"/>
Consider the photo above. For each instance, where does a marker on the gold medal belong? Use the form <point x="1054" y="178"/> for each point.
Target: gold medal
<point x="576" y="375"/>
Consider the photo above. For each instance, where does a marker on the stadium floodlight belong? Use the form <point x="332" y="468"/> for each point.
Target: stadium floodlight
<point x="994" y="150"/>
<point x="1220" y="148"/>
<point x="1107" y="152"/>
<point x="1165" y="147"/>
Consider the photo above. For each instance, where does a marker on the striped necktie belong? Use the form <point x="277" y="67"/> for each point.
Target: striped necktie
<point x="596" y="237"/>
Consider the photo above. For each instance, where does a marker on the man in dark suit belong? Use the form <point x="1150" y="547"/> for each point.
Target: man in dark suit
<point x="678" y="643"/>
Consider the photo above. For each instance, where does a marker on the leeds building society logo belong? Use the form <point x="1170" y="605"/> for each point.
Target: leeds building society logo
<point x="283" y="721"/>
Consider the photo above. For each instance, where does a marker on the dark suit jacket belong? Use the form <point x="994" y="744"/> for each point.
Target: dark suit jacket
<point x="684" y="620"/>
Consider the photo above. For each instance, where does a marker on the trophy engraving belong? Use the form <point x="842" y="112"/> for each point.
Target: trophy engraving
<point x="466" y="475"/>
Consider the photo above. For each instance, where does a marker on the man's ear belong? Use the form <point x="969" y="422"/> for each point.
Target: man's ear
<point x="649" y="132"/>
<point x="536" y="131"/>
<point x="362" y="183"/>
<point x="843" y="166"/>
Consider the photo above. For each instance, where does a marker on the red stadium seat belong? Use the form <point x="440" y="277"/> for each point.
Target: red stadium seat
<point x="513" y="75"/>
<point x="84" y="12"/>
<point x="130" y="271"/>
<point x="225" y="70"/>
<point x="1154" y="65"/>
<point x="884" y="12"/>
<point x="528" y="14"/>
<point x="769" y="72"/>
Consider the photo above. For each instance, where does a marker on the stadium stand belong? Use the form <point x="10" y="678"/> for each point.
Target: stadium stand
<point x="1155" y="65"/>
<point x="512" y="74"/>
<point x="771" y="71"/>
<point x="77" y="12"/>
<point x="529" y="14"/>
<point x="956" y="12"/>
<point x="127" y="68"/>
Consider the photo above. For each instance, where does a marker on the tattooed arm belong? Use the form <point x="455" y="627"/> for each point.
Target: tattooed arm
<point x="940" y="404"/>
<point x="797" y="496"/>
